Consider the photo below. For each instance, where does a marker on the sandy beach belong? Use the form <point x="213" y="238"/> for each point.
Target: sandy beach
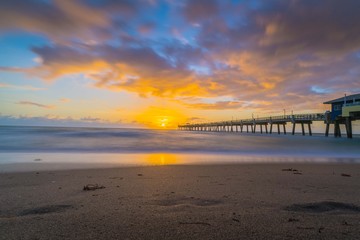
<point x="239" y="201"/>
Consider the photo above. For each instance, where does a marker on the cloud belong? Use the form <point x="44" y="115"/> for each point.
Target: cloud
<point x="65" y="100"/>
<point x="140" y="70"/>
<point x="263" y="54"/>
<point x="223" y="105"/>
<point x="59" y="19"/>
<point x="54" y="120"/>
<point x="194" y="119"/>
<point x="201" y="10"/>
<point x="217" y="105"/>
<point x="35" y="104"/>
<point x="310" y="26"/>
<point x="90" y="119"/>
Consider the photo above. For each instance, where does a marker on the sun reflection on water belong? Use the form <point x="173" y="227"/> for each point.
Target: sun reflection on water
<point x="162" y="159"/>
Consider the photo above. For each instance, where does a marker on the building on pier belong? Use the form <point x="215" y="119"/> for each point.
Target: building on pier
<point x="347" y="105"/>
<point x="344" y="110"/>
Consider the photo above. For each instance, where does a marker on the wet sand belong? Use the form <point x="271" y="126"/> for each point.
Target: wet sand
<point x="243" y="201"/>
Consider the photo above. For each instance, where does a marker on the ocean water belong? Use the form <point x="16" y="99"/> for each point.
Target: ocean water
<point x="152" y="147"/>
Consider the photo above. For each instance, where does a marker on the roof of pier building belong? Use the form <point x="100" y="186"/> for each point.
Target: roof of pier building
<point x="348" y="98"/>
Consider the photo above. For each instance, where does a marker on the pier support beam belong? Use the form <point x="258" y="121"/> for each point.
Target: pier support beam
<point x="303" y="129"/>
<point x="337" y="131"/>
<point x="348" y="127"/>
<point x="284" y="128"/>
<point x="271" y="128"/>
<point x="293" y="129"/>
<point x="309" y="126"/>
<point x="327" y="129"/>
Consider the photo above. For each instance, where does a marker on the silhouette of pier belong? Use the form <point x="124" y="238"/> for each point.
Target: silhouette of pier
<point x="262" y="125"/>
<point x="344" y="110"/>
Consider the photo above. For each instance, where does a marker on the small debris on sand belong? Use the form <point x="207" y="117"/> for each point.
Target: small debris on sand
<point x="236" y="220"/>
<point x="293" y="220"/>
<point x="121" y="178"/>
<point x="299" y="173"/>
<point x="320" y="229"/>
<point x="345" y="175"/>
<point x="289" y="170"/>
<point x="92" y="187"/>
<point x="140" y="174"/>
<point x="37" y="160"/>
<point x="345" y="223"/>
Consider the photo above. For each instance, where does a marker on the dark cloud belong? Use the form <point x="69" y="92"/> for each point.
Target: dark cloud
<point x="58" y="19"/>
<point x="313" y="25"/>
<point x="201" y="10"/>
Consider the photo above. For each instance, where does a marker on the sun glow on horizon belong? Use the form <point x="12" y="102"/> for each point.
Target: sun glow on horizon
<point x="162" y="159"/>
<point x="161" y="118"/>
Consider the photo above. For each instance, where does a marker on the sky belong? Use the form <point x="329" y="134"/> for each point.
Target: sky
<point x="160" y="63"/>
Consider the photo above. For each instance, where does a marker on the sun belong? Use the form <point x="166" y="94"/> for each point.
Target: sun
<point x="163" y="121"/>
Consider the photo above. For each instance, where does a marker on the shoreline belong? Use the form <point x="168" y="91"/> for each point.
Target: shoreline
<point x="51" y="161"/>
<point x="226" y="201"/>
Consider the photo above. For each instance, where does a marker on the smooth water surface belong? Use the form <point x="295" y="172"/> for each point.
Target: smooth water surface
<point x="149" y="147"/>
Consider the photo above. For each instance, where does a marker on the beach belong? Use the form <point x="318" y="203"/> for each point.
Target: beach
<point x="218" y="201"/>
<point x="164" y="119"/>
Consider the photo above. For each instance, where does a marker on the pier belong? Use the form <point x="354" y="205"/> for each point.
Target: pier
<point x="262" y="125"/>
<point x="344" y="111"/>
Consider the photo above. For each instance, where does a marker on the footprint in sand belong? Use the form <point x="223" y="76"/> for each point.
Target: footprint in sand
<point x="45" y="210"/>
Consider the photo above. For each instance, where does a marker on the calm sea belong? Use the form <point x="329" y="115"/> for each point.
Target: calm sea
<point x="40" y="145"/>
